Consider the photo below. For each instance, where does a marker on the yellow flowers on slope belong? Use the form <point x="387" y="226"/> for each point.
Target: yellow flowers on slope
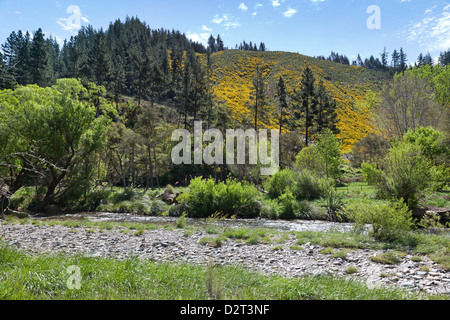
<point x="233" y="72"/>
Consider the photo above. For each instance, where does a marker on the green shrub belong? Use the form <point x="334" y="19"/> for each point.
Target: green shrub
<point x="389" y="221"/>
<point x="181" y="222"/>
<point x="406" y="174"/>
<point x="372" y="175"/>
<point x="289" y="206"/>
<point x="231" y="198"/>
<point x="309" y="159"/>
<point x="386" y="258"/>
<point x="307" y="210"/>
<point x="280" y="182"/>
<point x="311" y="186"/>
<point x="271" y="209"/>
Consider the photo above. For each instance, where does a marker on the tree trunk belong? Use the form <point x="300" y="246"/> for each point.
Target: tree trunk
<point x="151" y="165"/>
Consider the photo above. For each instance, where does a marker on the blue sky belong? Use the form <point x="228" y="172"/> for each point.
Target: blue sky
<point x="311" y="27"/>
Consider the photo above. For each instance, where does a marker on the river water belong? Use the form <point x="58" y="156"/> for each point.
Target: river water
<point x="293" y="225"/>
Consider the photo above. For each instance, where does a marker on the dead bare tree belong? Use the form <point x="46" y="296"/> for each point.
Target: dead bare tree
<point x="408" y="103"/>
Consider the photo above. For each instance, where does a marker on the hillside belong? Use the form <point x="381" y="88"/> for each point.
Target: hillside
<point x="233" y="71"/>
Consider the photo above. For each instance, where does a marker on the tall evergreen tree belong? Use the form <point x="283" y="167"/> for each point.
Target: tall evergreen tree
<point x="191" y="98"/>
<point x="118" y="84"/>
<point x="212" y="44"/>
<point x="99" y="59"/>
<point x="258" y="96"/>
<point x="359" y="61"/>
<point x="283" y="105"/>
<point x="39" y="60"/>
<point x="325" y="111"/>
<point x="444" y="58"/>
<point x="22" y="70"/>
<point x="384" y="59"/>
<point x="7" y="81"/>
<point x="403" y="60"/>
<point x="428" y="60"/>
<point x="306" y="102"/>
<point x="220" y="44"/>
<point x="11" y="50"/>
<point x="262" y="47"/>
<point x="142" y="69"/>
<point x="396" y="61"/>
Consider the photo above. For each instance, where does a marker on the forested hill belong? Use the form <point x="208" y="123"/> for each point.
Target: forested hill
<point x="131" y="60"/>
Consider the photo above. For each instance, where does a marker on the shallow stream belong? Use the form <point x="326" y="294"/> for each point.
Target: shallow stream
<point x="294" y="225"/>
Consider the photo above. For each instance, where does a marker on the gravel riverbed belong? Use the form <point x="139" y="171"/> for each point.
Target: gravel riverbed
<point x="174" y="245"/>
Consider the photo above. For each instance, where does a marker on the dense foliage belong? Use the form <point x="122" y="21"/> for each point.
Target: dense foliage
<point x="100" y="111"/>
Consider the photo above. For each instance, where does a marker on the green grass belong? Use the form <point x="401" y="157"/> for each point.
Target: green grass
<point x="45" y="277"/>
<point x="387" y="258"/>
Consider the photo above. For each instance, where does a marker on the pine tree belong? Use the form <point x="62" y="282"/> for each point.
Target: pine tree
<point x="209" y="112"/>
<point x="395" y="61"/>
<point x="306" y="102"/>
<point x="359" y="61"/>
<point x="54" y="52"/>
<point x="282" y="100"/>
<point x="156" y="82"/>
<point x="427" y="60"/>
<point x="191" y="98"/>
<point x="258" y="96"/>
<point x="444" y="58"/>
<point x="220" y="45"/>
<point x="262" y="47"/>
<point x="11" y="50"/>
<point x="39" y="59"/>
<point x="142" y="67"/>
<point x="22" y="69"/>
<point x="420" y="60"/>
<point x="384" y="59"/>
<point x="99" y="59"/>
<point x="325" y="111"/>
<point x="212" y="44"/>
<point x="118" y="84"/>
<point x="403" y="60"/>
<point x="199" y="86"/>
<point x="7" y="81"/>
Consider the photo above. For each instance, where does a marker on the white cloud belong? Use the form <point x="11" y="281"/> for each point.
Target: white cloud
<point x="432" y="32"/>
<point x="276" y="3"/>
<point x="289" y="13"/>
<point x="217" y="19"/>
<point x="227" y="20"/>
<point x="316" y="3"/>
<point x="205" y="28"/>
<point x="243" y="7"/>
<point x="198" y="37"/>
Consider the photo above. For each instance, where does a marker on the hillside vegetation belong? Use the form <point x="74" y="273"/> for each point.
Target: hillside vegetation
<point x="233" y="71"/>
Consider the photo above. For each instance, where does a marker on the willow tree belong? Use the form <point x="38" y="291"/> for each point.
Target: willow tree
<point x="49" y="132"/>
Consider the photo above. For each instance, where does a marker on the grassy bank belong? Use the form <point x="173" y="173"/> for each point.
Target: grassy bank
<point x="45" y="277"/>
